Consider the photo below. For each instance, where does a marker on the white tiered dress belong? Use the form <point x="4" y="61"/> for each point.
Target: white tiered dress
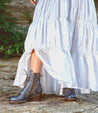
<point x="64" y="35"/>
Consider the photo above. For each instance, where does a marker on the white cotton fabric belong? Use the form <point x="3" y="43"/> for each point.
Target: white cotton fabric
<point x="64" y="36"/>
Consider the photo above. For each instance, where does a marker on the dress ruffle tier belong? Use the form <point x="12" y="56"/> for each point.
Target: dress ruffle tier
<point x="64" y="35"/>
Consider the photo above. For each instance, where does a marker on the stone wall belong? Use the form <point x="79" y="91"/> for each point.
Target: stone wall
<point x="96" y="3"/>
<point x="23" y="10"/>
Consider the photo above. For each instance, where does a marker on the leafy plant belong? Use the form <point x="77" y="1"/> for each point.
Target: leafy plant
<point x="28" y="16"/>
<point x="11" y="36"/>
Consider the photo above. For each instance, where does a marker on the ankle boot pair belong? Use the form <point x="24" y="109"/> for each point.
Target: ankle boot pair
<point x="32" y="90"/>
<point x="69" y="94"/>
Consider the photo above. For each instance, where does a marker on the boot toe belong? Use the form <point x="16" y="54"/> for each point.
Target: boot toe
<point x="70" y="97"/>
<point x="13" y="98"/>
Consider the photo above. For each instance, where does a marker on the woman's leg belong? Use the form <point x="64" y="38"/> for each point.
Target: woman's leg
<point x="36" y="63"/>
<point x="32" y="88"/>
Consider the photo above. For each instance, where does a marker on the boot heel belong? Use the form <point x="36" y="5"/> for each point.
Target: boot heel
<point x="37" y="98"/>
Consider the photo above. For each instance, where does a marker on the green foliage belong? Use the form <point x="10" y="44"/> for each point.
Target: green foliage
<point x="11" y="36"/>
<point x="28" y="16"/>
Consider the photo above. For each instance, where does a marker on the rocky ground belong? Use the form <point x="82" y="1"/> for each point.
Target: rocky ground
<point x="49" y="103"/>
